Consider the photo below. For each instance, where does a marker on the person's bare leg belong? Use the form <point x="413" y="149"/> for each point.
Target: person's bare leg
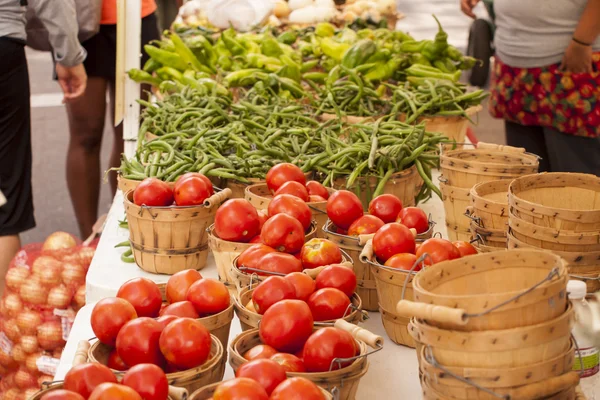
<point x="9" y="246"/>
<point x="86" y="125"/>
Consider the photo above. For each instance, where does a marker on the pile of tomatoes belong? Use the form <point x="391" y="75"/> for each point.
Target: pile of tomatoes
<point x="286" y="178"/>
<point x="141" y="330"/>
<point x="95" y="381"/>
<point x="265" y="379"/>
<point x="328" y="296"/>
<point x="190" y="189"/>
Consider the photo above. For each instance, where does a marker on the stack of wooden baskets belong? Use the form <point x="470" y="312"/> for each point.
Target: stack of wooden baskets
<point x="494" y="325"/>
<point x="559" y="212"/>
<point x="489" y="215"/>
<point x="463" y="167"/>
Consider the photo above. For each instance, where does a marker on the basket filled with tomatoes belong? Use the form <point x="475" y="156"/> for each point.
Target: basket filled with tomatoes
<point x="350" y="228"/>
<point x="167" y="227"/>
<point x="395" y="257"/>
<point x="333" y="357"/>
<point x="330" y="294"/>
<point x="277" y="176"/>
<point x="284" y="254"/>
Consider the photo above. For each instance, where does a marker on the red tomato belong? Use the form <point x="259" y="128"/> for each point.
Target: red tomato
<point x="338" y="277"/>
<point x="316" y="199"/>
<point x="317" y="189"/>
<point x="185" y="343"/>
<point x="289" y="362"/>
<point x="179" y="284"/>
<point x="297" y="388"/>
<point x="303" y="284"/>
<point x="114" y="391"/>
<point x="237" y="221"/>
<point x="259" y="351"/>
<point x="292" y="206"/>
<point x="465" y="248"/>
<point x="108" y="317"/>
<point x="386" y="207"/>
<point x="137" y="342"/>
<point x="270" y="291"/>
<point x="403" y="261"/>
<point x="153" y="193"/>
<point x="393" y="239"/>
<point x="240" y="389"/>
<point x="182" y="309"/>
<point x="414" y="217"/>
<point x="191" y="191"/>
<point x="197" y="175"/>
<point x="328" y="304"/>
<point x="115" y="362"/>
<point x="209" y="296"/>
<point x="284" y="233"/>
<point x="439" y="250"/>
<point x="148" y="380"/>
<point x="282" y="173"/>
<point x="318" y="252"/>
<point x="264" y="371"/>
<point x="62" y="394"/>
<point x="325" y="345"/>
<point x="143" y="294"/>
<point x="294" y="189"/>
<point x="167" y="319"/>
<point x="84" y="378"/>
<point x="252" y="255"/>
<point x="286" y="325"/>
<point x="263" y="216"/>
<point x="279" y="262"/>
<point x="256" y="239"/>
<point x="365" y="225"/>
<point x="343" y="208"/>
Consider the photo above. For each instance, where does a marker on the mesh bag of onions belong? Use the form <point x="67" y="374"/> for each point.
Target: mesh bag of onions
<point x="45" y="287"/>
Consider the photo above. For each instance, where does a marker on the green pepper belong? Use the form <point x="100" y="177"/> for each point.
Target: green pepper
<point x="420" y="60"/>
<point x="229" y="39"/>
<point x="288" y="37"/>
<point x="324" y="29"/>
<point x="308" y="65"/>
<point x="318" y="77"/>
<point x="225" y="63"/>
<point x="200" y="45"/>
<point x="213" y="86"/>
<point x="333" y="49"/>
<point x="151" y="65"/>
<point x="423" y="71"/>
<point x="437" y="49"/>
<point x="454" y="54"/>
<point x="261" y="61"/>
<point x="244" y="77"/>
<point x="328" y="64"/>
<point x="291" y="72"/>
<point x="165" y="44"/>
<point x="380" y="55"/>
<point x="401" y="36"/>
<point x="186" y="54"/>
<point x="169" y="73"/>
<point x="293" y="87"/>
<point x="413" y="46"/>
<point x="170" y="86"/>
<point x="381" y="90"/>
<point x="249" y="45"/>
<point x="166" y="58"/>
<point x="140" y="76"/>
<point x="445" y="65"/>
<point x="348" y="36"/>
<point x="317" y="50"/>
<point x="359" y="53"/>
<point x="468" y="63"/>
<point x="306" y="49"/>
<point x="383" y="72"/>
<point x="365" y="34"/>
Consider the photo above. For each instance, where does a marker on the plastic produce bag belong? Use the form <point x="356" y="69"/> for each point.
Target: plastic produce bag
<point x="241" y="14"/>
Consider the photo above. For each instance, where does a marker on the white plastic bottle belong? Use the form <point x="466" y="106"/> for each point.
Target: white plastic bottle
<point x="590" y="379"/>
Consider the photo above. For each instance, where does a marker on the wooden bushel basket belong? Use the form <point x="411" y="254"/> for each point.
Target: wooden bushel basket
<point x="166" y="240"/>
<point x="490" y="237"/>
<point x="489" y="204"/>
<point x="454" y="127"/>
<point x="192" y="379"/>
<point x="563" y="201"/>
<point x="405" y="185"/>
<point x="238" y="189"/>
<point x="260" y="197"/>
<point x="345" y="380"/>
<point x="456" y="201"/>
<point x="499" y="290"/>
<point x="251" y="320"/>
<point x="207" y="392"/>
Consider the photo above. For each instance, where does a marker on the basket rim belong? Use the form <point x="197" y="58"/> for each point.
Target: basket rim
<point x="355" y="240"/>
<point x="250" y="188"/>
<point x="214" y="385"/>
<point x="129" y="202"/>
<point x="451" y="156"/>
<point x="560" y="253"/>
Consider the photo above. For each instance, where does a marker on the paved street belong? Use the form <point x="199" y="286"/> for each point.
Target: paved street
<point x="50" y="130"/>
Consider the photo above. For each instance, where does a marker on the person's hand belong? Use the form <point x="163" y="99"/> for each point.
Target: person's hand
<point x="467" y="7"/>
<point x="72" y="81"/>
<point x="577" y="58"/>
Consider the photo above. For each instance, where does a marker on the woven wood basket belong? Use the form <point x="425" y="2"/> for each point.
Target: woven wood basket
<point x="453" y="127"/>
<point x="405" y="185"/>
<point x="125" y="185"/>
<point x="345" y="380"/>
<point x="482" y="248"/>
<point x="458" y="233"/>
<point x="498" y="290"/>
<point x="251" y="320"/>
<point x="260" y="197"/>
<point x="489" y="204"/>
<point x="366" y="286"/>
<point x="238" y="189"/>
<point x="504" y="348"/>
<point x="207" y="392"/>
<point x="563" y="201"/>
<point x="456" y="201"/>
<point x="192" y="379"/>
<point x="166" y="240"/>
<point x="488" y="236"/>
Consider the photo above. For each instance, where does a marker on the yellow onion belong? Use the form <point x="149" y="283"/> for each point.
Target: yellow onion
<point x="15" y="277"/>
<point x="49" y="335"/>
<point x="12" y="394"/>
<point x="8" y="382"/>
<point x="33" y="292"/>
<point x="6" y="360"/>
<point x="59" y="297"/>
<point x="28" y="322"/>
<point x="85" y="255"/>
<point x="25" y="379"/>
<point x="58" y="353"/>
<point x="18" y="354"/>
<point x="79" y="298"/>
<point x="43" y="262"/>
<point x="73" y="274"/>
<point x="44" y="378"/>
<point x="59" y="241"/>
<point x="13" y="305"/>
<point x="12" y="330"/>
<point x="51" y="275"/>
<point x="31" y="362"/>
<point x="29" y="344"/>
